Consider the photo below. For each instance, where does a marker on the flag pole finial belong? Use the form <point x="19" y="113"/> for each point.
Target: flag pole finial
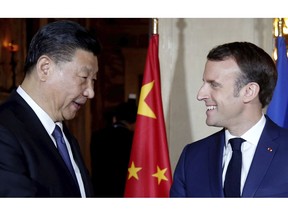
<point x="155" y="26"/>
<point x="280" y="27"/>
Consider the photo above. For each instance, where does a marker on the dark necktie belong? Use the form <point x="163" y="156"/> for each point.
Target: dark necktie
<point x="233" y="174"/>
<point x="62" y="148"/>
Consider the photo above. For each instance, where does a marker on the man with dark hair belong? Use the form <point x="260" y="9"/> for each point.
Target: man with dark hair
<point x="249" y="156"/>
<point x="39" y="157"/>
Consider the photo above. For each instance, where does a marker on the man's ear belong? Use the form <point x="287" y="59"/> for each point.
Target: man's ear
<point x="251" y="91"/>
<point x="43" y="66"/>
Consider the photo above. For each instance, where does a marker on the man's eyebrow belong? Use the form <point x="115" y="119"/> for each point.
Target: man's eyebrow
<point x="214" y="82"/>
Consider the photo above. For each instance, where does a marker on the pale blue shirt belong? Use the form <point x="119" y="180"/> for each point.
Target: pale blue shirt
<point x="248" y="149"/>
<point x="49" y="126"/>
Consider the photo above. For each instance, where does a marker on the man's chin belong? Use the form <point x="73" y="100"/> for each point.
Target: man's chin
<point x="211" y="123"/>
<point x="70" y="116"/>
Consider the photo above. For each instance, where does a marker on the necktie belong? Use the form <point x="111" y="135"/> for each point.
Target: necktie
<point x="62" y="148"/>
<point x="233" y="174"/>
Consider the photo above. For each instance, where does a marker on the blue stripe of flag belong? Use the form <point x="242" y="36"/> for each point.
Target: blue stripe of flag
<point x="278" y="107"/>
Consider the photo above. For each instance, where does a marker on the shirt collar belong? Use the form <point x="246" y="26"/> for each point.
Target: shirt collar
<point x="252" y="135"/>
<point x="45" y="119"/>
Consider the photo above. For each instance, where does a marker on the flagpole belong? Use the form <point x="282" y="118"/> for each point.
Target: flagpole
<point x="280" y="27"/>
<point x="155" y="26"/>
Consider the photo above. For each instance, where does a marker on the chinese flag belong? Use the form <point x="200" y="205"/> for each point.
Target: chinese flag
<point x="149" y="171"/>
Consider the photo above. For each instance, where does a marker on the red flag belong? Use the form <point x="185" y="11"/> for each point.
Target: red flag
<point x="149" y="171"/>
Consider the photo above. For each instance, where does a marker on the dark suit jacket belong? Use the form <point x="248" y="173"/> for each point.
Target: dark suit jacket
<point x="199" y="169"/>
<point x="30" y="165"/>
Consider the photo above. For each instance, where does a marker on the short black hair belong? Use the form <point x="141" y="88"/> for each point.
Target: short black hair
<point x="59" y="40"/>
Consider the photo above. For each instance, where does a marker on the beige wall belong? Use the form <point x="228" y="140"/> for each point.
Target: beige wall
<point x="184" y="44"/>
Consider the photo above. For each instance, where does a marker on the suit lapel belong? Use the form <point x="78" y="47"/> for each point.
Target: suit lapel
<point x="215" y="164"/>
<point x="264" y="153"/>
<point x="30" y="121"/>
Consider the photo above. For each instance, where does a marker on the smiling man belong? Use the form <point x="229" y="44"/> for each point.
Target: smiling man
<point x="38" y="155"/>
<point x="248" y="157"/>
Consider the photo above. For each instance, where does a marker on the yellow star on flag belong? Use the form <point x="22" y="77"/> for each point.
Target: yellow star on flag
<point x="133" y="171"/>
<point x="144" y="108"/>
<point x="160" y="174"/>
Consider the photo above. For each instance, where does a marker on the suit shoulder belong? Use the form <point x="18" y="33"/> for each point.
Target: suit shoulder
<point x="215" y="137"/>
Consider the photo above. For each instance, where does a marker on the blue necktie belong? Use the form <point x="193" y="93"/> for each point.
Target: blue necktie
<point x="62" y="148"/>
<point x="233" y="174"/>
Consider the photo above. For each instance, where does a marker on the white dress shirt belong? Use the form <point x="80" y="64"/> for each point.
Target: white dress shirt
<point x="49" y="125"/>
<point x="248" y="149"/>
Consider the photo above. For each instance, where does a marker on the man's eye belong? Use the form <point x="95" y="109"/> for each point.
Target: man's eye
<point x="214" y="85"/>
